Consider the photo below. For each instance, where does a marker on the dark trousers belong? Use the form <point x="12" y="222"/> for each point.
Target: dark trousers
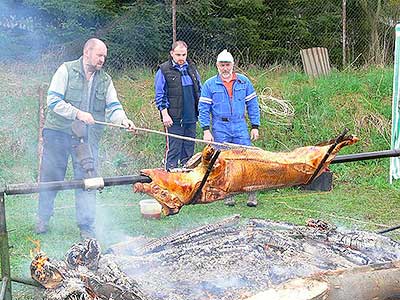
<point x="57" y="148"/>
<point x="178" y="150"/>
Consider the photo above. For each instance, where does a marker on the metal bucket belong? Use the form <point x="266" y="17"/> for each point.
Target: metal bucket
<point x="150" y="209"/>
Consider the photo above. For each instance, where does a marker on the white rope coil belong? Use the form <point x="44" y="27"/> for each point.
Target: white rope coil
<point x="281" y="111"/>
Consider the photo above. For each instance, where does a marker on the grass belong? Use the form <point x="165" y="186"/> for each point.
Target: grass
<point x="361" y="198"/>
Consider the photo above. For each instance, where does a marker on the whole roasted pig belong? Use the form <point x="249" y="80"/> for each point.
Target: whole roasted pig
<point x="237" y="171"/>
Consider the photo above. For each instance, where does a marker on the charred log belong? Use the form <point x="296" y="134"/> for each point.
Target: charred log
<point x="374" y="282"/>
<point x="84" y="275"/>
<point x="188" y="236"/>
<point x="86" y="253"/>
<point x="45" y="272"/>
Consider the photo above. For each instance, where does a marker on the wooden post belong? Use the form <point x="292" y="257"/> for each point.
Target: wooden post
<point x="315" y="61"/>
<point x="344" y="36"/>
<point x="5" y="252"/>
<point x="173" y="21"/>
<point x="41" y="125"/>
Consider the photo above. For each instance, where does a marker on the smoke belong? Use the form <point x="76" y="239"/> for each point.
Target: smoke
<point x="21" y="35"/>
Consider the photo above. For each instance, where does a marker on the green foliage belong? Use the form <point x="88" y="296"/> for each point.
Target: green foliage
<point x="138" y="36"/>
<point x="75" y="15"/>
<point x="230" y="24"/>
<point x="296" y="25"/>
<point x="63" y="22"/>
<point x="258" y="32"/>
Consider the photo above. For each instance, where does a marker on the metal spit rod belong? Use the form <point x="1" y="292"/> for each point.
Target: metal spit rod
<point x="225" y="145"/>
<point x="365" y="156"/>
<point x="29" y="188"/>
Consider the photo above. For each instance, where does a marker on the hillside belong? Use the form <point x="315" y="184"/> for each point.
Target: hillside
<point x="296" y="111"/>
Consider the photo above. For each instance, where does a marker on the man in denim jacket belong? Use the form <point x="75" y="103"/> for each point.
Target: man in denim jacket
<point x="225" y="100"/>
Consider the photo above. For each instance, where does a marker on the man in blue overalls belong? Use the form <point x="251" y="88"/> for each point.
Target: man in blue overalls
<point x="224" y="100"/>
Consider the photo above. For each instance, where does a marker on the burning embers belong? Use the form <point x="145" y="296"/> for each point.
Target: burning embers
<point x="44" y="272"/>
<point x="232" y="260"/>
<point x="85" y="254"/>
<point x="80" y="278"/>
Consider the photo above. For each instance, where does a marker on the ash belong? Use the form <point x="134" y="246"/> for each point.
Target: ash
<point x="233" y="260"/>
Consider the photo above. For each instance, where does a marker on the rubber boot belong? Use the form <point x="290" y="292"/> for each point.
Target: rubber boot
<point x="252" y="200"/>
<point x="230" y="201"/>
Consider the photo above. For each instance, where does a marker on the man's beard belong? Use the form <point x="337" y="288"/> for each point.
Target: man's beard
<point x="226" y="74"/>
<point x="91" y="68"/>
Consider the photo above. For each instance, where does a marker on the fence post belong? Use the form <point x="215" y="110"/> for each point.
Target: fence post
<point x="173" y="21"/>
<point x="4" y="248"/>
<point x="344" y="32"/>
<point x="394" y="172"/>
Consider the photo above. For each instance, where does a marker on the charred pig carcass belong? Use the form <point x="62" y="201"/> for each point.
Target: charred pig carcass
<point x="237" y="171"/>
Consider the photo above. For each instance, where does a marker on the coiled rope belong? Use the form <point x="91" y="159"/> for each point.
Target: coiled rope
<point x="282" y="110"/>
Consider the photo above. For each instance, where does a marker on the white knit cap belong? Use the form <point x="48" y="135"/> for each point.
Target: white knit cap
<point x="225" y="56"/>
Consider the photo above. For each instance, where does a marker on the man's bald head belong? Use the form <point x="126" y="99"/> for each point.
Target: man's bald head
<point x="92" y="43"/>
<point x="94" y="54"/>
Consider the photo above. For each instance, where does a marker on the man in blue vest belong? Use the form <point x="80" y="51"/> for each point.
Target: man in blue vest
<point x="225" y="100"/>
<point x="177" y="92"/>
<point x="79" y="90"/>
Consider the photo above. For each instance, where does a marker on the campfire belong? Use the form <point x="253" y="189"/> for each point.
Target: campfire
<point x="230" y="259"/>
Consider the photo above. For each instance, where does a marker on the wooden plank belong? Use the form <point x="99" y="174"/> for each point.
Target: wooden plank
<point x="369" y="282"/>
<point x="315" y="61"/>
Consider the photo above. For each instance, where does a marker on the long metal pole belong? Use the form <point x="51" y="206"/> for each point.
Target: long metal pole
<point x="186" y="138"/>
<point x="365" y="156"/>
<point x="4" y="250"/>
<point x="389" y="229"/>
<point x="29" y="188"/>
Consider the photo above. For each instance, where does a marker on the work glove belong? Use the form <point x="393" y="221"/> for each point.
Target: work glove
<point x="128" y="124"/>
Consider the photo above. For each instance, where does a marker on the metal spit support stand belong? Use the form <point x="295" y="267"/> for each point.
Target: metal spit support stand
<point x="30" y="188"/>
<point x="5" y="253"/>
